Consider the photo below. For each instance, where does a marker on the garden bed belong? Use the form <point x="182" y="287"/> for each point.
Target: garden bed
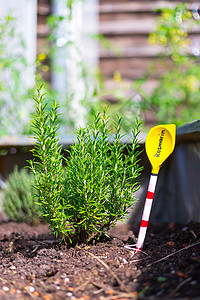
<point x="35" y="265"/>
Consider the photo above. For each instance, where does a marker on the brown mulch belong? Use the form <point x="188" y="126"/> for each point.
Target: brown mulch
<point x="36" y="266"/>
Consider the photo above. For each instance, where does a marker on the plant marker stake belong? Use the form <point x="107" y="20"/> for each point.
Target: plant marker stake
<point x="160" y="143"/>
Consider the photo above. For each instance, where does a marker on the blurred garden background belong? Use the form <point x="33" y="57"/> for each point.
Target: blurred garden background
<point x="141" y="58"/>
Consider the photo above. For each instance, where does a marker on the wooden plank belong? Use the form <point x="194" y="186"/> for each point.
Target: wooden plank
<point x="43" y="9"/>
<point x="127" y="41"/>
<point x="45" y="2"/>
<point x="134" y="6"/>
<point x="132" y="27"/>
<point x="127" y="27"/>
<point x="42" y="30"/>
<point x="23" y="141"/>
<point x="143" y="51"/>
<point x="41" y="45"/>
<point x="129" y="68"/>
<point x="41" y="19"/>
<point x="136" y="40"/>
<point x="26" y="141"/>
<point x="127" y="85"/>
<point x="124" y="16"/>
<point x="142" y="1"/>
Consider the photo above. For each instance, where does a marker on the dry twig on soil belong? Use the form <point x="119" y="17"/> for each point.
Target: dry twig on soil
<point x="176" y="252"/>
<point x="122" y="286"/>
<point x="180" y="285"/>
<point x="113" y="294"/>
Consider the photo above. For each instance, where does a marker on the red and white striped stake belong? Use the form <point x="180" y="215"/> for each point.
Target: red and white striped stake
<point x="160" y="143"/>
<point x="146" y="212"/>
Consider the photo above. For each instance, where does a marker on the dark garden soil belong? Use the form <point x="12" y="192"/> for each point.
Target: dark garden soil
<point x="36" y="266"/>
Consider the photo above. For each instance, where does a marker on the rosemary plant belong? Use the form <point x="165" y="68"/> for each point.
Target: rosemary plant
<point x="47" y="167"/>
<point x="18" y="203"/>
<point x="96" y="187"/>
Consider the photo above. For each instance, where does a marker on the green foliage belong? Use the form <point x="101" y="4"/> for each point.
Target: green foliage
<point x="176" y="97"/>
<point x="100" y="182"/>
<point x="89" y="96"/>
<point x="96" y="188"/>
<point x="125" y="100"/>
<point x="18" y="203"/>
<point x="15" y="103"/>
<point x="47" y="169"/>
<point x="69" y="4"/>
<point x="171" y="31"/>
<point x="70" y="50"/>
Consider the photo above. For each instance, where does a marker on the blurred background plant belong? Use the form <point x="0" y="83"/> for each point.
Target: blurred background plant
<point x="74" y="82"/>
<point x="15" y="95"/>
<point x="83" y="91"/>
<point x="176" y="97"/>
<point x="18" y="200"/>
<point x="76" y="79"/>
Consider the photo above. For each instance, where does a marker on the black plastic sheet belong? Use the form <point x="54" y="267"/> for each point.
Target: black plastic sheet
<point x="177" y="194"/>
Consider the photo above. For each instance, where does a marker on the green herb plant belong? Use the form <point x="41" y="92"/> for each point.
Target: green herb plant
<point x="176" y="96"/>
<point x="17" y="198"/>
<point x="96" y="187"/>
